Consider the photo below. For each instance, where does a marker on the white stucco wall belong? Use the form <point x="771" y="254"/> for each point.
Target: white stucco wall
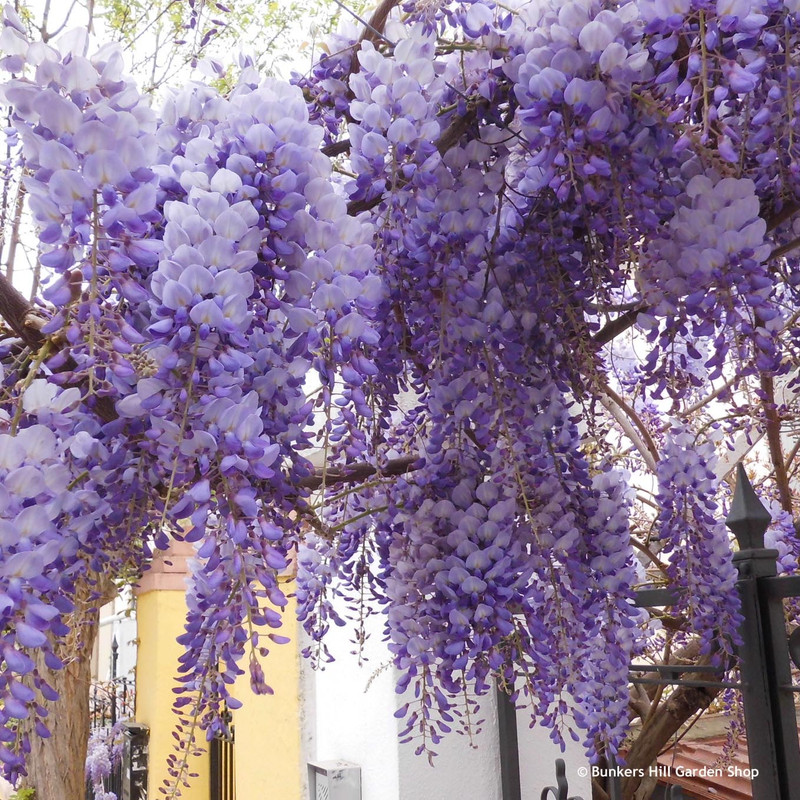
<point x="462" y="769"/>
<point x="537" y="761"/>
<point x="345" y="720"/>
<point x="348" y="714"/>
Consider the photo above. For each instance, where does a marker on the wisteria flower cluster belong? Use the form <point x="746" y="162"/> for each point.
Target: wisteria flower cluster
<point x="782" y="536"/>
<point x="695" y="540"/>
<point x="710" y="268"/>
<point x="104" y="752"/>
<point x="414" y="264"/>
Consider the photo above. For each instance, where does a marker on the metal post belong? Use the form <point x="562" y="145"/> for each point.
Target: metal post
<point x="215" y="771"/>
<point x="135" y="761"/>
<point x="114" y="657"/>
<point x="764" y="664"/>
<point x="509" y="747"/>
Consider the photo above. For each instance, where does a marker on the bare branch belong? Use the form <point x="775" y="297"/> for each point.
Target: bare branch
<point x="374" y="30"/>
<point x="13" y="242"/>
<point x="630" y="422"/>
<point x="786" y="213"/>
<point x="337" y="148"/>
<point x="618" y="325"/>
<point x="356" y="473"/>
<point x="786" y="248"/>
<point x="773" y="426"/>
<point x="19" y="315"/>
<point x="682" y="704"/>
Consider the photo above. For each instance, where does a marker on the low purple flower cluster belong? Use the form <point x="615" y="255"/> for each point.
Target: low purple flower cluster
<point x="104" y="751"/>
<point x="695" y="541"/>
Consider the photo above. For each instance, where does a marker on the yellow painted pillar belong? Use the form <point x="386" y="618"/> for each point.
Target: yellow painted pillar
<point x="267" y="757"/>
<point x="267" y="750"/>
<point x="160" y="617"/>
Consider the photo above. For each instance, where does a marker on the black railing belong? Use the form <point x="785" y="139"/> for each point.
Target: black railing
<point x="221" y="754"/>
<point x="561" y="790"/>
<point x="110" y="702"/>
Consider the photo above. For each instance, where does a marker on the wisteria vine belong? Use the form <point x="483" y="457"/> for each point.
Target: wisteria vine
<point x="413" y="264"/>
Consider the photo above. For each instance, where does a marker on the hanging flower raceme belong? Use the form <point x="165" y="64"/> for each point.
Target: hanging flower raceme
<point x="88" y="143"/>
<point x="782" y="536"/>
<point x="695" y="540"/>
<point x="104" y="752"/>
<point x="470" y="545"/>
<point x="711" y="268"/>
<point x="257" y="276"/>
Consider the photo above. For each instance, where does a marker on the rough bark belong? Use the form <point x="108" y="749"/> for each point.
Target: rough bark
<point x="657" y="731"/>
<point x="56" y="766"/>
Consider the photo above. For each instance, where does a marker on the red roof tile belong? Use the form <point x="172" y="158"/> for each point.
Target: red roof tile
<point x="700" y="768"/>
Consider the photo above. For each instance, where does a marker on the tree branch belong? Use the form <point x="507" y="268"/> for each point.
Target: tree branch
<point x="337" y="148"/>
<point x="786" y="213"/>
<point x="618" y="325"/>
<point x="13" y="243"/>
<point x="682" y="704"/>
<point x="786" y="248"/>
<point x="19" y="314"/>
<point x="637" y="431"/>
<point x="377" y="22"/>
<point x="23" y="320"/>
<point x="373" y="29"/>
<point x="355" y="473"/>
<point x="773" y="426"/>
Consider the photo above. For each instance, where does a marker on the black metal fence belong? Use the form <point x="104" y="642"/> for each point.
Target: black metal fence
<point x="110" y="702"/>
<point x="222" y="774"/>
<point x="765" y="664"/>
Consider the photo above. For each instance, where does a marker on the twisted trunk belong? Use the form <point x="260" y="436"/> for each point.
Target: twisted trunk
<point x="56" y="765"/>
<point x="656" y="733"/>
<point x="660" y="724"/>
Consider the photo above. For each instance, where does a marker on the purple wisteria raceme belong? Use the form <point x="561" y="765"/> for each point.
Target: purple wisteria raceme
<point x="256" y="277"/>
<point x="711" y="267"/>
<point x="782" y="536"/>
<point x="695" y="541"/>
<point x="395" y="124"/>
<point x="104" y="752"/>
<point x="715" y="241"/>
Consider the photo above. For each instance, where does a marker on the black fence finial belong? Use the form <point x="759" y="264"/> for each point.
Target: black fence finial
<point x="748" y="519"/>
<point x="559" y="793"/>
